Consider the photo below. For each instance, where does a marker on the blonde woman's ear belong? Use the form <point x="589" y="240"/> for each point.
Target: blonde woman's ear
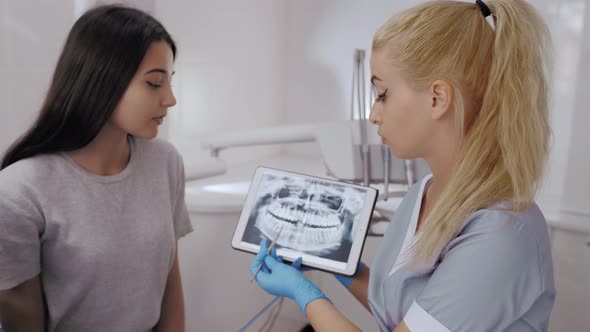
<point x="442" y="94"/>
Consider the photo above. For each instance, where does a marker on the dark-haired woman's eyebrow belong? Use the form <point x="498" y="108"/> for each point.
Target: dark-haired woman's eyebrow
<point x="158" y="70"/>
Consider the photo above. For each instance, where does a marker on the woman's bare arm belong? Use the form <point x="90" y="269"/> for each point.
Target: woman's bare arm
<point x="172" y="314"/>
<point x="21" y="307"/>
<point x="360" y="287"/>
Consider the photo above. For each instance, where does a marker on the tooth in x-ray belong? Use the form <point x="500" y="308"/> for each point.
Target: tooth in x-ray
<point x="309" y="215"/>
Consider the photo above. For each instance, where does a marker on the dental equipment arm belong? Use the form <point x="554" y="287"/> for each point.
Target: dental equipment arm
<point x="409" y="167"/>
<point x="334" y="138"/>
<point x="358" y="80"/>
<point x="339" y="143"/>
<point x="272" y="135"/>
<point x="386" y="161"/>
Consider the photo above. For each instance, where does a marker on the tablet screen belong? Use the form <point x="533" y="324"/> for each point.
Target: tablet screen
<point x="321" y="220"/>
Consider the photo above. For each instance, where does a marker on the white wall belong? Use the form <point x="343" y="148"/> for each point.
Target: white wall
<point x="574" y="206"/>
<point x="568" y="178"/>
<point x="31" y="37"/>
<point x="230" y="69"/>
<point x="321" y="38"/>
<point x="566" y="21"/>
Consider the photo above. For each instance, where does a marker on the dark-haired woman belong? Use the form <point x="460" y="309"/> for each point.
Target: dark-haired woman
<point x="91" y="207"/>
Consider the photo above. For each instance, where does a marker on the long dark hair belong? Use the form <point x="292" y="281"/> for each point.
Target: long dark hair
<point x="103" y="51"/>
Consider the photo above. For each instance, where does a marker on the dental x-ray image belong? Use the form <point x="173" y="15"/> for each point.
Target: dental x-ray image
<point x="310" y="215"/>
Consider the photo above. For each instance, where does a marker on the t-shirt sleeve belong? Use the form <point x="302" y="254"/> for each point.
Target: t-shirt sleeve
<point x="21" y="227"/>
<point x="182" y="223"/>
<point x="490" y="277"/>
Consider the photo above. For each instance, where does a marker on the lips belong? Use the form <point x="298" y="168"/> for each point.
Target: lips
<point x="159" y="120"/>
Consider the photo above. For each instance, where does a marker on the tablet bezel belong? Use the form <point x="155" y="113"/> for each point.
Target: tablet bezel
<point x="332" y="266"/>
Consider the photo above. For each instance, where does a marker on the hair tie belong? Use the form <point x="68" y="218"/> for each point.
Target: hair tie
<point x="487" y="13"/>
<point x="485" y="10"/>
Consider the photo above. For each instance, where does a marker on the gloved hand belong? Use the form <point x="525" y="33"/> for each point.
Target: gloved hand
<point x="347" y="281"/>
<point x="344" y="280"/>
<point x="280" y="279"/>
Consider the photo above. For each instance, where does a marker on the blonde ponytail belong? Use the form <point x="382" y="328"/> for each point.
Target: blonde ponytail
<point x="504" y="149"/>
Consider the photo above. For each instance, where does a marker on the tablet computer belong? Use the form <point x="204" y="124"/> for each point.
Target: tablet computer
<point x="323" y="221"/>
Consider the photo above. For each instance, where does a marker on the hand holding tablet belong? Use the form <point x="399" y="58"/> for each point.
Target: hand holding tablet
<point x="323" y="221"/>
<point x="268" y="253"/>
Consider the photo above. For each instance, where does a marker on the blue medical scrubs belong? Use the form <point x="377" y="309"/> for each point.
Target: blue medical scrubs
<point x="495" y="275"/>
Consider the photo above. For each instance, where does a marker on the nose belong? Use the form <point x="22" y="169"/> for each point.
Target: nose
<point x="169" y="100"/>
<point x="375" y="116"/>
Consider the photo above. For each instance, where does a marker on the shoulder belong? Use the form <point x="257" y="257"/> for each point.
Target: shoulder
<point x="34" y="170"/>
<point x="22" y="182"/>
<point x="500" y="218"/>
<point x="512" y="240"/>
<point x="497" y="271"/>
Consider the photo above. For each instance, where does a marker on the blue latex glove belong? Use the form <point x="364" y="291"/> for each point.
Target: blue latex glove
<point x="280" y="279"/>
<point x="347" y="281"/>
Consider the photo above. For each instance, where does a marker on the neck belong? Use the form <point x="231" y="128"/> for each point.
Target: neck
<point x="442" y="163"/>
<point x="108" y="154"/>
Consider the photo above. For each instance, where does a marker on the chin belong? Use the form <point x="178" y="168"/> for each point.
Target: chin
<point x="145" y="134"/>
<point x="400" y="152"/>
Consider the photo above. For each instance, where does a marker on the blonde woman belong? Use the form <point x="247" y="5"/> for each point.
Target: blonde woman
<point x="464" y="86"/>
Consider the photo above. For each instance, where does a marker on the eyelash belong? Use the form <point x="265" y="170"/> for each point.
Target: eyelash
<point x="381" y="97"/>
<point x="152" y="85"/>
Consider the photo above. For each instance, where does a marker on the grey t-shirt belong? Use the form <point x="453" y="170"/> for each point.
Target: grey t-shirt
<point x="103" y="245"/>
<point x="496" y="275"/>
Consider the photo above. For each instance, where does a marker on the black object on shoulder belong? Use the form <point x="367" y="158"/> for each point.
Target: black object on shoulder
<point x="485" y="10"/>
